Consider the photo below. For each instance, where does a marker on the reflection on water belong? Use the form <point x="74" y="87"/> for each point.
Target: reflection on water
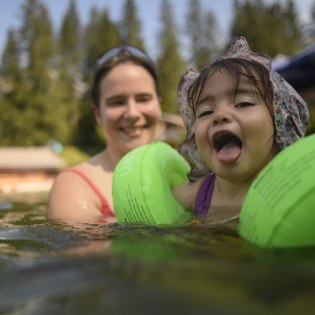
<point x="54" y="268"/>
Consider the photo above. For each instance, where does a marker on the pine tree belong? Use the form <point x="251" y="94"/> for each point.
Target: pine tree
<point x="170" y="63"/>
<point x="269" y="28"/>
<point x="70" y="72"/>
<point x="11" y="93"/>
<point x="130" y="26"/>
<point x="292" y="27"/>
<point x="37" y="39"/>
<point x="10" y="64"/>
<point x="40" y="104"/>
<point x="193" y="30"/>
<point x="100" y="34"/>
<point x="69" y="38"/>
<point x="201" y="28"/>
<point x="24" y="102"/>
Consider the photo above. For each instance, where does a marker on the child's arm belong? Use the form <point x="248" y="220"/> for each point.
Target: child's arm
<point x="186" y="193"/>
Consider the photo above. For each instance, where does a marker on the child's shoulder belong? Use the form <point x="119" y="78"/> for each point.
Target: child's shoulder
<point x="187" y="193"/>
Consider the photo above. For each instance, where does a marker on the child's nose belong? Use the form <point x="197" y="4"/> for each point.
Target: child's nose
<point x="221" y="116"/>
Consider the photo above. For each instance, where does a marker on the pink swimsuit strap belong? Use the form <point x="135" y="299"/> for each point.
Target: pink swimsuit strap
<point x="106" y="209"/>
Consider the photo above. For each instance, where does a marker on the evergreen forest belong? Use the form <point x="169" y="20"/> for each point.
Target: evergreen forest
<point x="45" y="74"/>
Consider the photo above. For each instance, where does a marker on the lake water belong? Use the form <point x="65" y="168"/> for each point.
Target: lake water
<point x="53" y="268"/>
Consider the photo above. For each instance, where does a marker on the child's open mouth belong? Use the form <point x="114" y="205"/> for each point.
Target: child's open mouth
<point x="228" y="146"/>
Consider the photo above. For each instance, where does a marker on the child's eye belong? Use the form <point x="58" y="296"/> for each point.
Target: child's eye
<point x="244" y="104"/>
<point x="204" y="113"/>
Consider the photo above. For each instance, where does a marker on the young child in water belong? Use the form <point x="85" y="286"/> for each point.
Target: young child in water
<point x="239" y="114"/>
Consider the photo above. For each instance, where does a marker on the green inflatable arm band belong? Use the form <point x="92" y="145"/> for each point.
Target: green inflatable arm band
<point x="142" y="184"/>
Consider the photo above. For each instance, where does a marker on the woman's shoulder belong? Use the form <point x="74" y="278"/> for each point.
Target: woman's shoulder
<point x="69" y="193"/>
<point x="72" y="180"/>
<point x="69" y="181"/>
<point x="83" y="168"/>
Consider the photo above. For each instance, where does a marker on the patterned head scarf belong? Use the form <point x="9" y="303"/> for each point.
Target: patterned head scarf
<point x="290" y="110"/>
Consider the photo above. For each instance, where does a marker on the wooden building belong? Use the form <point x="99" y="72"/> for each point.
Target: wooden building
<point x="27" y="169"/>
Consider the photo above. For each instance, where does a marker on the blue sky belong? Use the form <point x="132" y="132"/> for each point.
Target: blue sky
<point x="148" y="10"/>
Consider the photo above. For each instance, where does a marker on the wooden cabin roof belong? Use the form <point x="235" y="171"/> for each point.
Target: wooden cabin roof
<point x="29" y="158"/>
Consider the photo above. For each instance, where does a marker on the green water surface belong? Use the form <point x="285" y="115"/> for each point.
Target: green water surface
<point x="54" y="268"/>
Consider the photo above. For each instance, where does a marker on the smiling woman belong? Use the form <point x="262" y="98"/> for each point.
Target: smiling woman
<point x="126" y="105"/>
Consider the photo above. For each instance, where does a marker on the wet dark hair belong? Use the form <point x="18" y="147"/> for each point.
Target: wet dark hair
<point x="237" y="67"/>
<point x="124" y="55"/>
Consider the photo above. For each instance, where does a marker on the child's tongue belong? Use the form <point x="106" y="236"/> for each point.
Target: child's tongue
<point x="229" y="152"/>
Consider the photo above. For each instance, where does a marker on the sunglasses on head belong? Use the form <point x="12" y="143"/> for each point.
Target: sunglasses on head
<point x="120" y="50"/>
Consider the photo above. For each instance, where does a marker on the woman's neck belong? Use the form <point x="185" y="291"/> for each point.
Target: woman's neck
<point x="108" y="159"/>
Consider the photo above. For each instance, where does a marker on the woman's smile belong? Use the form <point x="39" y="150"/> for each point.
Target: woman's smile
<point x="133" y="132"/>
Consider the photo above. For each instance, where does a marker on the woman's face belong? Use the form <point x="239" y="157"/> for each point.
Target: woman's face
<point x="129" y="108"/>
<point x="234" y="133"/>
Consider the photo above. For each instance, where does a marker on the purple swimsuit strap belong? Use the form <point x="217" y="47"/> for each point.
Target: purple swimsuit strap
<point x="204" y="196"/>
